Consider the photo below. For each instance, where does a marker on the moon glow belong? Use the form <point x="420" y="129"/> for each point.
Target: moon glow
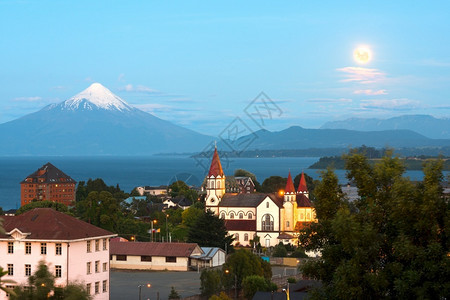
<point x="362" y="55"/>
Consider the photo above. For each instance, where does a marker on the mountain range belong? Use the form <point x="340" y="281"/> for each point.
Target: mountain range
<point x="97" y="122"/>
<point x="426" y="125"/>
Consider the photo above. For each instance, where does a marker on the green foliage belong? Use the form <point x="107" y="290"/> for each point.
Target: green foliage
<point x="273" y="184"/>
<point x="299" y="253"/>
<point x="279" y="250"/>
<point x="391" y="243"/>
<point x="291" y="280"/>
<point x="42" y="284"/>
<point x="4" y="282"/>
<point x="310" y="184"/>
<point x="98" y="185"/>
<point x="173" y="294"/>
<point x="222" y="296"/>
<point x="209" y="231"/>
<point x="243" y="263"/>
<point x="39" y="204"/>
<point x="254" y="283"/>
<point x="180" y="188"/>
<point x="211" y="282"/>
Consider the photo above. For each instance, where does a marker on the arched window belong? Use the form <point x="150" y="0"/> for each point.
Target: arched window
<point x="246" y="237"/>
<point x="267" y="223"/>
<point x="212" y="184"/>
<point x="308" y="216"/>
<point x="218" y="184"/>
<point x="231" y="216"/>
<point x="236" y="237"/>
<point x="222" y="215"/>
<point x="241" y="216"/>
<point x="250" y="215"/>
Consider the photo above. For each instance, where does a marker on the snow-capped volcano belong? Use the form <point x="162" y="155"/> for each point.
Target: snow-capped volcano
<point x="96" y="96"/>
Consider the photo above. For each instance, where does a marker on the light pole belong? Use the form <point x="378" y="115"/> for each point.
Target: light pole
<point x="140" y="289"/>
<point x="235" y="283"/>
<point x="153" y="221"/>
<point x="167" y="230"/>
<point x="287" y="291"/>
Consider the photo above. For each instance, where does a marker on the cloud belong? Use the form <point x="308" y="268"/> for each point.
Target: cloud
<point x="361" y="75"/>
<point x="330" y="100"/>
<point x="390" y="104"/>
<point x="28" y="99"/>
<point x="139" y="89"/>
<point x="370" y="92"/>
<point x="121" y="76"/>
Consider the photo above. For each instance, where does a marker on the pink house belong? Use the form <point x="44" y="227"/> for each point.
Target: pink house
<point x="75" y="251"/>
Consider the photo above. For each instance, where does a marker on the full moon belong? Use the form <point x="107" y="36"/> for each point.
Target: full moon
<point x="362" y="55"/>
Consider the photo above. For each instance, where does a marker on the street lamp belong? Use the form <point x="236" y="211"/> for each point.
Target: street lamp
<point x="167" y="230"/>
<point x="140" y="289"/>
<point x="287" y="291"/>
<point x="235" y="283"/>
<point x="153" y="221"/>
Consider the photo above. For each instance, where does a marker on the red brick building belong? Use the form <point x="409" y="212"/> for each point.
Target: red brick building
<point x="48" y="183"/>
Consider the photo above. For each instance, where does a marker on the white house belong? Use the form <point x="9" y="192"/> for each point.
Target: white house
<point x="211" y="257"/>
<point x="153" y="256"/>
<point x="273" y="218"/>
<point x="75" y="251"/>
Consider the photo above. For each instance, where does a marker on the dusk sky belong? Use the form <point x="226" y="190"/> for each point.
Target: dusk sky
<point x="199" y="64"/>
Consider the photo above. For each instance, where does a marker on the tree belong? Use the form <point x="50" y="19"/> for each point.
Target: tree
<point x="310" y="184"/>
<point x="210" y="231"/>
<point x="392" y="242"/>
<point x="42" y="284"/>
<point x="38" y="204"/>
<point x="273" y="184"/>
<point x="174" y="294"/>
<point x="279" y="250"/>
<point x="211" y="282"/>
<point x="222" y="296"/>
<point x="254" y="283"/>
<point x="4" y="282"/>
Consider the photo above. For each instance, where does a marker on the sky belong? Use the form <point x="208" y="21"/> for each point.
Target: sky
<point x="202" y="64"/>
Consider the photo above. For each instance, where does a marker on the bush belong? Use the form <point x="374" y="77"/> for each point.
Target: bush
<point x="291" y="280"/>
<point x="279" y="250"/>
<point x="254" y="283"/>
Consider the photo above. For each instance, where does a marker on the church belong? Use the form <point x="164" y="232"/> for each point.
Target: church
<point x="274" y="217"/>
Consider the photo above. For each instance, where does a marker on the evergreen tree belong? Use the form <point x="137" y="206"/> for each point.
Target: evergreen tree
<point x="209" y="231"/>
<point x="173" y="294"/>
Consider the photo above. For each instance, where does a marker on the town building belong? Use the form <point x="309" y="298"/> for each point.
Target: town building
<point x="152" y="190"/>
<point x="153" y="256"/>
<point x="74" y="251"/>
<point x="48" y="183"/>
<point x="245" y="184"/>
<point x="271" y="218"/>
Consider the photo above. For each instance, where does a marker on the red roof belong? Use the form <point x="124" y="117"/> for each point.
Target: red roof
<point x="216" y="167"/>
<point x="289" y="185"/>
<point x="302" y="188"/>
<point x="152" y="249"/>
<point x="240" y="225"/>
<point x="49" y="224"/>
<point x="303" y="201"/>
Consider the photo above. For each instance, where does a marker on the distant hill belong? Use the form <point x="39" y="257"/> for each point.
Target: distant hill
<point x="296" y="137"/>
<point x="95" y="122"/>
<point x="426" y="125"/>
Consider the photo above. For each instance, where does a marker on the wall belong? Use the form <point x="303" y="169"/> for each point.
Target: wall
<point x="134" y="262"/>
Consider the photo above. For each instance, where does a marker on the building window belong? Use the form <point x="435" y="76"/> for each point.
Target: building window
<point x="58" y="249"/>
<point x="97" y="266"/>
<point x="308" y="216"/>
<point x="121" y="257"/>
<point x="231" y="216"/>
<point x="97" y="245"/>
<point x="222" y="216"/>
<point x="146" y="258"/>
<point x="105" y="267"/>
<point x="43" y="248"/>
<point x="236" y="237"/>
<point x="88" y="246"/>
<point x="10" y="288"/>
<point x="267" y="223"/>
<point x="287" y="224"/>
<point x="241" y="216"/>
<point x="58" y="272"/>
<point x="105" y="244"/>
<point x="97" y="287"/>
<point x="301" y="216"/>
<point x="171" y="259"/>
<point x="105" y="285"/>
<point x="10" y="269"/>
<point x="250" y="215"/>
<point x="267" y="204"/>
<point x="88" y="288"/>
<point x="27" y="248"/>
<point x="27" y="270"/>
<point x="246" y="237"/>
<point x="88" y="268"/>
<point x="11" y="247"/>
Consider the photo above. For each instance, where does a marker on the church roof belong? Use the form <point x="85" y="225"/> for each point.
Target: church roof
<point x="240" y="225"/>
<point x="303" y="201"/>
<point x="302" y="188"/>
<point x="216" y="167"/>
<point x="289" y="185"/>
<point x="248" y="200"/>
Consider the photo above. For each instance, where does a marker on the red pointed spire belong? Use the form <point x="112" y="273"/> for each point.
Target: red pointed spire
<point x="216" y="167"/>
<point x="289" y="185"/>
<point x="302" y="188"/>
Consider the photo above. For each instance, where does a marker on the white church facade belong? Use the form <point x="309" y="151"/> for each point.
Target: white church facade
<point x="274" y="217"/>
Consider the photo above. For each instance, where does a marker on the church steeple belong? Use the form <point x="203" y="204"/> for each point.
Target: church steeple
<point x="289" y="191"/>
<point x="302" y="188"/>
<point x="215" y="183"/>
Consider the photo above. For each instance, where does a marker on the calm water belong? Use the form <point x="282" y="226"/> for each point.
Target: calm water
<point x="130" y="172"/>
